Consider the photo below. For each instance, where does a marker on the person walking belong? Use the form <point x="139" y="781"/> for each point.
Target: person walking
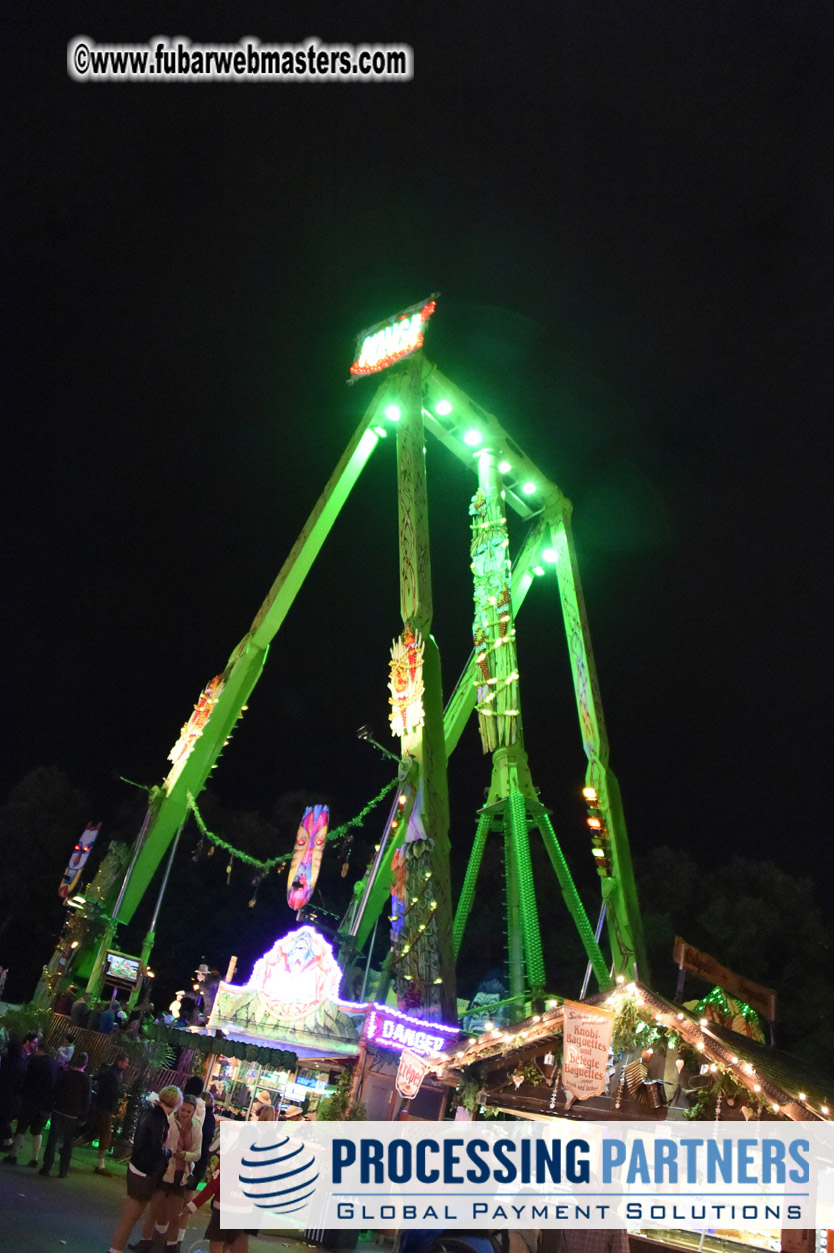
<point x="185" y="1145"/>
<point x="209" y="1125"/>
<point x="225" y="1239"/>
<point x="200" y="1166"/>
<point x="72" y="1101"/>
<point x="36" y="1092"/>
<point x="194" y="1088"/>
<point x="12" y="1066"/>
<point x="146" y="1165"/>
<point x="221" y="1240"/>
<point x="103" y="1106"/>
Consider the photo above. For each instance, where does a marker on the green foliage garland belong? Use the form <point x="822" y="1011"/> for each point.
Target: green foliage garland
<point x="265" y="866"/>
<point x="632" y="1032"/>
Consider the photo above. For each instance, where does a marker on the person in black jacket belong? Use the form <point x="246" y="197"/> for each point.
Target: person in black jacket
<point x="103" y="1107"/>
<point x="147" y="1164"/>
<point x="37" y="1088"/>
<point x="201" y="1164"/>
<point x="12" y="1066"/>
<point x="72" y="1101"/>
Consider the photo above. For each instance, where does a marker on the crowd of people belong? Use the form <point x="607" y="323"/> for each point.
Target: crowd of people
<point x="175" y="1141"/>
<point x="38" y="1087"/>
<point x="50" y="1105"/>
<point x="107" y="1016"/>
<point x="103" y="1016"/>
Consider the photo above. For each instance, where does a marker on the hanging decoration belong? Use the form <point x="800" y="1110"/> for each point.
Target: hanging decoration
<point x="493" y="632"/>
<point x="193" y="728"/>
<point x="78" y="860"/>
<point x="728" y="1011"/>
<point x="280" y="862"/>
<point x="306" y="858"/>
<point x="398" y="893"/>
<point x="406" y="683"/>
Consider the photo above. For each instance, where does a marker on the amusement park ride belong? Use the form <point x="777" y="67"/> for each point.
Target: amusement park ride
<point x="414" y="398"/>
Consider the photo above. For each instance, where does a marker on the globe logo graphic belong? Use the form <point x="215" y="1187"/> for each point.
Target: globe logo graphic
<point x="280" y="1176"/>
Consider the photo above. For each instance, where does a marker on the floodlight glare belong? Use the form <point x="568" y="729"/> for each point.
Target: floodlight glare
<point x="539" y="570"/>
<point x="528" y="488"/>
<point x="381" y="432"/>
<point x="550" y="554"/>
<point x="392" y="413"/>
<point x="504" y="467"/>
<point x="472" y="438"/>
<point x="443" y="407"/>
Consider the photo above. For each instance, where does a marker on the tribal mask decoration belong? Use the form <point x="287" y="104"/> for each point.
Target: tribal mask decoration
<point x="306" y="858"/>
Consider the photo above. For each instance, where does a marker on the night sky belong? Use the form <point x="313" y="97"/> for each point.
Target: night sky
<point x="627" y="208"/>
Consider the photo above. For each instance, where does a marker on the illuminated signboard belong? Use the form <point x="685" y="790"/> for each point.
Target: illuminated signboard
<point x="391" y="340"/>
<point x="297" y="974"/>
<point x="393" y="1030"/>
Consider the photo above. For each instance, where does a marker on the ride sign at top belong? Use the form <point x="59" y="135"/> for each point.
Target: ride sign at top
<point x="391" y="340"/>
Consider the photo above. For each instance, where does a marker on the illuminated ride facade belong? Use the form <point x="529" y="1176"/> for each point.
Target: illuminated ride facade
<point x="291" y="1005"/>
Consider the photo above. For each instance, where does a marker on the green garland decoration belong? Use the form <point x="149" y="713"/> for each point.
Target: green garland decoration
<point x="719" y="1000"/>
<point x="265" y="866"/>
<point x="631" y="1031"/>
<point x="275" y="1058"/>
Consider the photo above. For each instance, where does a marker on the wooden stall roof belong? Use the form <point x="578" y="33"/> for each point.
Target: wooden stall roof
<point x="791" y="1087"/>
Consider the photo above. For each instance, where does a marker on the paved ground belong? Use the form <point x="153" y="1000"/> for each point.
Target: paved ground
<point x="78" y="1214"/>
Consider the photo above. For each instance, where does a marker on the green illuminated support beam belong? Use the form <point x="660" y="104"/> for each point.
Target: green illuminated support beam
<point x="247" y="661"/>
<point x="455" y="420"/>
<point x="461" y="703"/>
<point x="619" y="888"/>
<point x="467" y="892"/>
<point x="531" y="933"/>
<point x="425" y="746"/>
<point x="574" y="903"/>
<point x="512" y="911"/>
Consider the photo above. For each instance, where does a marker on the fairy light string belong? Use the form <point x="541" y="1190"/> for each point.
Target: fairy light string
<point x="733" y="1077"/>
<point x="264" y="867"/>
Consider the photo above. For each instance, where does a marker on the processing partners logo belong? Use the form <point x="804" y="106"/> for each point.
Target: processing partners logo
<point x="771" y="1175"/>
<point x="279" y="1175"/>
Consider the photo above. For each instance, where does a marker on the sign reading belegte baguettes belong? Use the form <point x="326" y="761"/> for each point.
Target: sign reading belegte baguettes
<point x="760" y="998"/>
<point x="587" y="1042"/>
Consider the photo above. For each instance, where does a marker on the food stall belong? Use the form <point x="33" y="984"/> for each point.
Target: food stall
<point x="630" y="1054"/>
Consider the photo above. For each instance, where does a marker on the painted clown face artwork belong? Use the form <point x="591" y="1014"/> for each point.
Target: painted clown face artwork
<point x="306" y="858"/>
